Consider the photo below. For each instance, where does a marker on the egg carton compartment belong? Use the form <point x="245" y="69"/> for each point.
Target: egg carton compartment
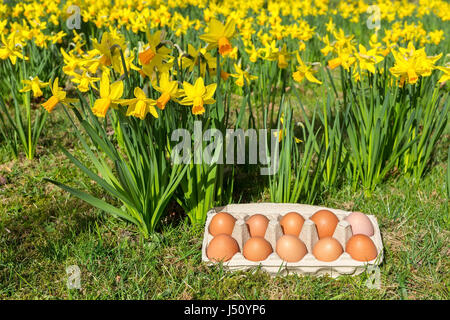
<point x="308" y="265"/>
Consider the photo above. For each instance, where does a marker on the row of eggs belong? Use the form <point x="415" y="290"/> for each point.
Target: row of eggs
<point x="289" y="247"/>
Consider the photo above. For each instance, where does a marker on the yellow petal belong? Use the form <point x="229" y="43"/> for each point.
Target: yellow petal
<point x="116" y="90"/>
<point x="101" y="106"/>
<point x="104" y="85"/>
<point x="139" y="93"/>
<point x="50" y="104"/>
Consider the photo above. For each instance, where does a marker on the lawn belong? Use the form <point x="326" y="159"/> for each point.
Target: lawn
<point x="44" y="230"/>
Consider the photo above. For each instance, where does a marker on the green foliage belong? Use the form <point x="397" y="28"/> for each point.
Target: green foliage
<point x="141" y="177"/>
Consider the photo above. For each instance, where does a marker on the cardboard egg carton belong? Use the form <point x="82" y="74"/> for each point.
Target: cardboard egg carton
<point x="308" y="265"/>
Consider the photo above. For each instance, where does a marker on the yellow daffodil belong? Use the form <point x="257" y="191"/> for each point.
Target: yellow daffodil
<point x="84" y="81"/>
<point x="368" y="58"/>
<point x="58" y="96"/>
<point x="328" y="48"/>
<point x="35" y="85"/>
<point x="411" y="63"/>
<point x="110" y="95"/>
<point x="195" y="57"/>
<point x="198" y="95"/>
<point x="282" y="56"/>
<point x="253" y="53"/>
<point x="109" y="49"/>
<point x="242" y="76"/>
<point x="11" y="49"/>
<point x="168" y="89"/>
<point x="154" y="54"/>
<point x="140" y="106"/>
<point x="219" y="35"/>
<point x="304" y="71"/>
<point x="446" y="76"/>
<point x="345" y="59"/>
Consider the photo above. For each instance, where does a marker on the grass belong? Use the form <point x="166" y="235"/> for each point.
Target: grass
<point x="43" y="230"/>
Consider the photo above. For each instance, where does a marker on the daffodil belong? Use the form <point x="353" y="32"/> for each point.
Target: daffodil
<point x="58" y="96"/>
<point x="219" y="35"/>
<point x="153" y="54"/>
<point x="110" y="95"/>
<point x="198" y="95"/>
<point x="304" y="71"/>
<point x="242" y="76"/>
<point x="345" y="59"/>
<point x="328" y="48"/>
<point x="168" y="89"/>
<point x="35" y="85"/>
<point x="200" y="57"/>
<point x="282" y="56"/>
<point x="446" y="76"/>
<point x="109" y="49"/>
<point x="140" y="106"/>
<point x="368" y="58"/>
<point x="331" y="27"/>
<point x="253" y="53"/>
<point x="411" y="63"/>
<point x="84" y="81"/>
<point x="11" y="49"/>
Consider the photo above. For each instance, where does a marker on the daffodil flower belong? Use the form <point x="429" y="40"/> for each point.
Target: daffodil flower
<point x="253" y="53"/>
<point x="198" y="95"/>
<point x="140" y="106"/>
<point x="219" y="35"/>
<point x="282" y="56"/>
<point x="153" y="55"/>
<point x="368" y="59"/>
<point x="35" y="85"/>
<point x="196" y="57"/>
<point x="110" y="55"/>
<point x="344" y="59"/>
<point x="10" y="49"/>
<point x="84" y="81"/>
<point x="110" y="95"/>
<point x="242" y="76"/>
<point x="168" y="89"/>
<point x="58" y="96"/>
<point x="446" y="76"/>
<point x="304" y="71"/>
<point x="411" y="63"/>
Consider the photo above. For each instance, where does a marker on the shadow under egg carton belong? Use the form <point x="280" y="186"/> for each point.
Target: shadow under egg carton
<point x="308" y="265"/>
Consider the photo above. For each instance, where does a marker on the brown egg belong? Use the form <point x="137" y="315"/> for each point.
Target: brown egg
<point x="327" y="249"/>
<point x="292" y="223"/>
<point x="222" y="222"/>
<point x="257" y="249"/>
<point x="326" y="222"/>
<point x="222" y="248"/>
<point x="360" y="247"/>
<point x="257" y="225"/>
<point x="290" y="248"/>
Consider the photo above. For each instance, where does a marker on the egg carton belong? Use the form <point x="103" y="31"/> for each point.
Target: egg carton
<point x="308" y="265"/>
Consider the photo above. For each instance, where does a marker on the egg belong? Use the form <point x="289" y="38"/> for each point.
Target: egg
<point x="257" y="249"/>
<point x="222" y="248"/>
<point x="360" y="247"/>
<point x="290" y="248"/>
<point x="292" y="223"/>
<point x="326" y="222"/>
<point x="222" y="222"/>
<point x="257" y="225"/>
<point x="360" y="223"/>
<point x="327" y="249"/>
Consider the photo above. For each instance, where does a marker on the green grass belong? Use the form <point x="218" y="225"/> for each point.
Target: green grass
<point x="43" y="230"/>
